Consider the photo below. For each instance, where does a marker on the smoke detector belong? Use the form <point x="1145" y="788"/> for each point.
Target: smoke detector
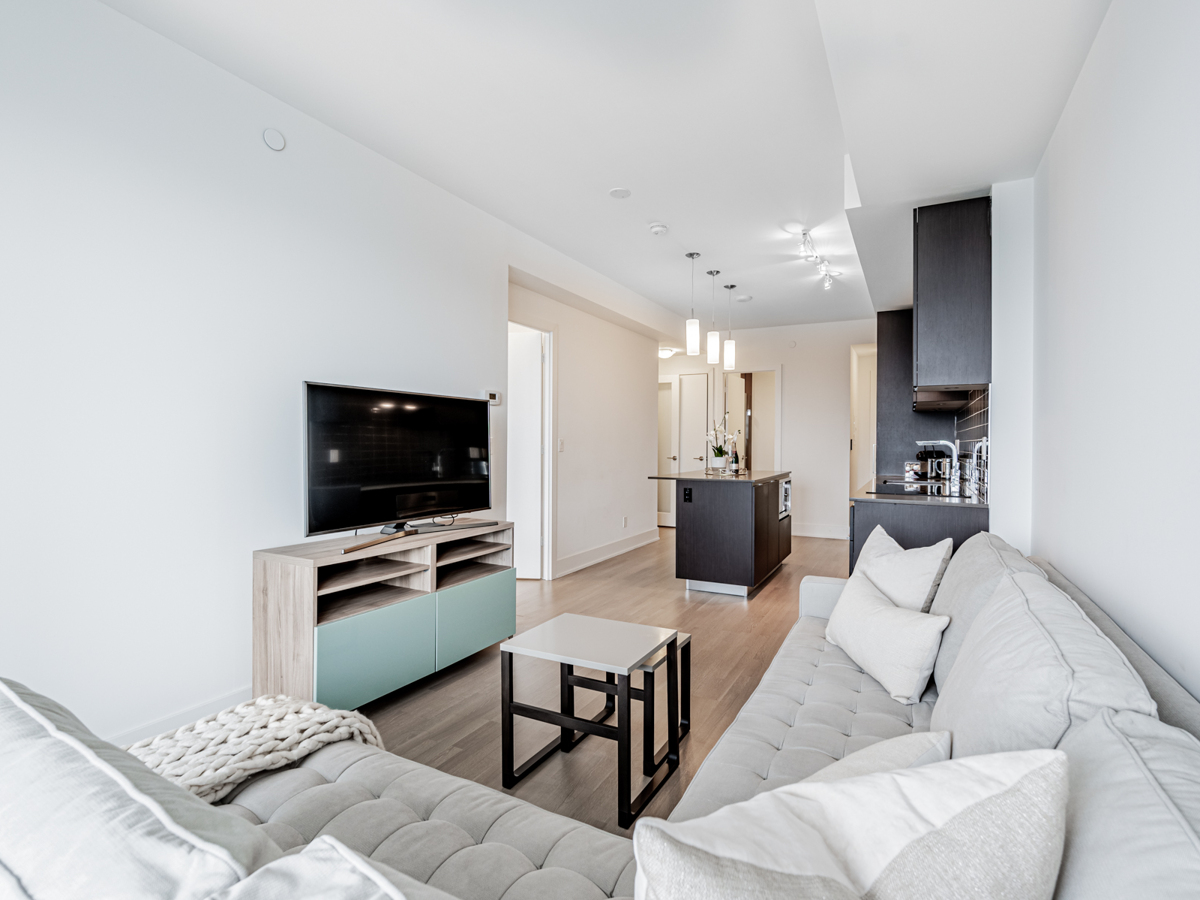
<point x="619" y="193"/>
<point x="743" y="298"/>
<point x="658" y="228"/>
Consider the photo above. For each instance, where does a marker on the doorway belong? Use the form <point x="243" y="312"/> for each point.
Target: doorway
<point x="688" y="405"/>
<point x="863" y="360"/>
<point x="750" y="400"/>
<point x="668" y="457"/>
<point x="527" y="460"/>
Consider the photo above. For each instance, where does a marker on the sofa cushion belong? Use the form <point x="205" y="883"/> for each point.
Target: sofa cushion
<point x="325" y="869"/>
<point x="84" y="819"/>
<point x="968" y="583"/>
<point x="909" y="578"/>
<point x="984" y="827"/>
<point x="905" y="752"/>
<point x="1032" y="666"/>
<point x="813" y="706"/>
<point x="1133" y="817"/>
<point x="896" y="646"/>
<point x="454" y="835"/>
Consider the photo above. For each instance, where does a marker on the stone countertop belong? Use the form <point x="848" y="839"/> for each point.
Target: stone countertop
<point x="754" y="476"/>
<point x="867" y="495"/>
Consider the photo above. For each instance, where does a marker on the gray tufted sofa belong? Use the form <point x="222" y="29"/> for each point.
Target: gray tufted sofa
<point x="454" y="835"/>
<point x="437" y="837"/>
<point x="813" y="706"/>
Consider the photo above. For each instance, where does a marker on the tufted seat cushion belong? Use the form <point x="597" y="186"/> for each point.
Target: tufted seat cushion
<point x="454" y="835"/>
<point x="813" y="706"/>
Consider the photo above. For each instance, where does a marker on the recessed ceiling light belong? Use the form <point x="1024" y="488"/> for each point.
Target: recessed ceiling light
<point x="387" y="405"/>
<point x="410" y="407"/>
<point x="743" y="298"/>
<point x="619" y="193"/>
<point x="658" y="228"/>
<point x="793" y="227"/>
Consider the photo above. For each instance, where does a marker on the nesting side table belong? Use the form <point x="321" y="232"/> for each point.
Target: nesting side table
<point x="617" y="649"/>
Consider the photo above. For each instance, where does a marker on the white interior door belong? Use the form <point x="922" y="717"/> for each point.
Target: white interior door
<point x="525" y="450"/>
<point x="667" y="458"/>
<point x="693" y="422"/>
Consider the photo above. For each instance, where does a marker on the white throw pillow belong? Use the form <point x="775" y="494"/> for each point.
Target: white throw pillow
<point x="983" y="827"/>
<point x="895" y="646"/>
<point x="909" y="578"/>
<point x="72" y="825"/>
<point x="905" y="752"/>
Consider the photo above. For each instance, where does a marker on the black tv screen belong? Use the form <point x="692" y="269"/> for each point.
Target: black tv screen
<point x="376" y="457"/>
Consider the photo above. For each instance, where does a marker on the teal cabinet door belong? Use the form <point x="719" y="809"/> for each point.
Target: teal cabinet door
<point x="475" y="615"/>
<point x="366" y="656"/>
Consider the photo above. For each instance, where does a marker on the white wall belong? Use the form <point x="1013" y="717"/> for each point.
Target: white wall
<point x="1115" y="360"/>
<point x="605" y="399"/>
<point x="167" y="283"/>
<point x="1010" y="416"/>
<point x="815" y="402"/>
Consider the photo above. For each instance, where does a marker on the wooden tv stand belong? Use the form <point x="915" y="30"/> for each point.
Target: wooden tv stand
<point x="345" y="628"/>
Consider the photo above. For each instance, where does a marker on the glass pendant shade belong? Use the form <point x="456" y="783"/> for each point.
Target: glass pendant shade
<point x="693" y="337"/>
<point x="714" y="347"/>
<point x="729" y="355"/>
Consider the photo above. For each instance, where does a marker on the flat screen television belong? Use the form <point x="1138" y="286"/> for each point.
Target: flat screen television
<point x="375" y="457"/>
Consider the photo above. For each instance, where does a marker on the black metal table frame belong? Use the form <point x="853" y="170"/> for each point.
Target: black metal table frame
<point x="618" y="693"/>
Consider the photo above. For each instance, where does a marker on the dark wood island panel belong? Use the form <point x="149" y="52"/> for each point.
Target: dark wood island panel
<point x="729" y="534"/>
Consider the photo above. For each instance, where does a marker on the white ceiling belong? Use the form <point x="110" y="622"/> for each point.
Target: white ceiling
<point x="721" y="118"/>
<point x="945" y="97"/>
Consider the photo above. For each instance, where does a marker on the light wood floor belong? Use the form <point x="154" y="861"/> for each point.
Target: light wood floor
<point x="451" y="720"/>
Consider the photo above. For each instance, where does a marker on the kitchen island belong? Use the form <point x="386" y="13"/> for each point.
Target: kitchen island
<point x="915" y="514"/>
<point x="731" y="531"/>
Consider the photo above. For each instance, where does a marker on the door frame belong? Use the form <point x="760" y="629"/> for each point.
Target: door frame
<point x="550" y="332"/>
<point x="667" y="519"/>
<point x="714" y="375"/>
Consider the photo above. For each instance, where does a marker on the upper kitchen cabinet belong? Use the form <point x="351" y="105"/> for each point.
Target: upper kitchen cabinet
<point x="952" y="296"/>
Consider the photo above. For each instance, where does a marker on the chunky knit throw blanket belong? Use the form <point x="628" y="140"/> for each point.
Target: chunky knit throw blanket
<point x="214" y="755"/>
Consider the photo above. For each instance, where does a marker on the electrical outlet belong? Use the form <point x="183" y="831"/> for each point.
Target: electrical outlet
<point x="624" y="521"/>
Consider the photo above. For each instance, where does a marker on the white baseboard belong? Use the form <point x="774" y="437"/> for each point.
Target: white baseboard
<point x="183" y="717"/>
<point x="577" y="561"/>
<point x="666" y="520"/>
<point x="818" y="530"/>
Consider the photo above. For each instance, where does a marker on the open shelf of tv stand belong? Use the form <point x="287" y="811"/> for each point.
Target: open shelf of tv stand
<point x="343" y="628"/>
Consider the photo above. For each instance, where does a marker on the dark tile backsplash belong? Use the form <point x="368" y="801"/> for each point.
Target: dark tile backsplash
<point x="971" y="431"/>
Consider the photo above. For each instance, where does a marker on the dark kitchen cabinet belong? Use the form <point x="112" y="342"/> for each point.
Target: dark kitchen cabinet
<point x="728" y="531"/>
<point x="914" y="524"/>
<point x="766" y="524"/>
<point x="952" y="296"/>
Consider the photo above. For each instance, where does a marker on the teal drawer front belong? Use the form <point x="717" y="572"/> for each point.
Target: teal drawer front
<point x="366" y="656"/>
<point x="475" y="615"/>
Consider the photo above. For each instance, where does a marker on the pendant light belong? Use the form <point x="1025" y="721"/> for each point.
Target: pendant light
<point x="729" y="346"/>
<point x="693" y="324"/>
<point x="714" y="336"/>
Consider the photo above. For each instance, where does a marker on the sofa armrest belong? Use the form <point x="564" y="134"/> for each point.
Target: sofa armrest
<point x="818" y="595"/>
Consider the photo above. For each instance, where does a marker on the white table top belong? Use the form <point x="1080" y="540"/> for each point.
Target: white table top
<point x="604" y="644"/>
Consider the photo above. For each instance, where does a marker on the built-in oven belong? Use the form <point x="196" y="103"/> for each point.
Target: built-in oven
<point x="785" y="498"/>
